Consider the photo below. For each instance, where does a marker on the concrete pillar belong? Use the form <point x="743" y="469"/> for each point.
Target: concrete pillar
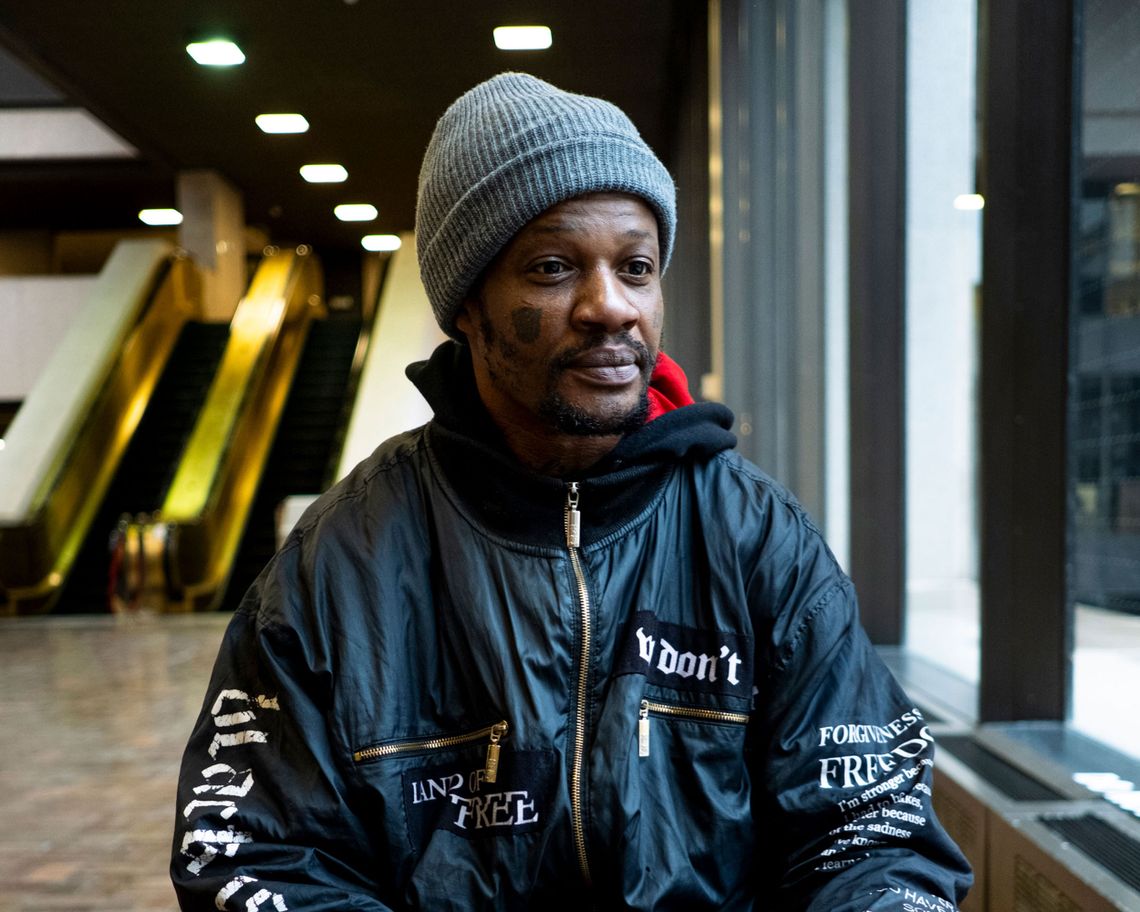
<point x="213" y="233"/>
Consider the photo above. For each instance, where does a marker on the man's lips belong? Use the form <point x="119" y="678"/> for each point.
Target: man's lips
<point x="607" y="366"/>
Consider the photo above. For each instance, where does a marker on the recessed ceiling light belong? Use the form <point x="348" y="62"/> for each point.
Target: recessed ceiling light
<point x="522" y="38"/>
<point x="160" y="216"/>
<point x="380" y="242"/>
<point x="355" y="212"/>
<point x="218" y="52"/>
<point x="324" y="174"/>
<point x="281" y="123"/>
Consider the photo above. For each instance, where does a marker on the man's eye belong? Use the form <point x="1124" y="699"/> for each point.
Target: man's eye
<point x="550" y="267"/>
<point x="639" y="268"/>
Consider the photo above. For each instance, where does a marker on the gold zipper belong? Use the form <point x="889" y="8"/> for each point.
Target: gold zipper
<point x="494" y="733"/>
<point x="573" y="540"/>
<point x="692" y="713"/>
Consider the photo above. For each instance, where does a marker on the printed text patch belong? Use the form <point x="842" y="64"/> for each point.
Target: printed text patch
<point x="685" y="658"/>
<point x="455" y="797"/>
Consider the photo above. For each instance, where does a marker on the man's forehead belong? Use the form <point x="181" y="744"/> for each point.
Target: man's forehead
<point x="586" y="212"/>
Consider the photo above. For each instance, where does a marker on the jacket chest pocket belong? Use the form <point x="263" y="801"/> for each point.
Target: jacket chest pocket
<point x="676" y="712"/>
<point x="692" y="795"/>
<point x="693" y="757"/>
<point x="492" y="735"/>
<point x="471" y="783"/>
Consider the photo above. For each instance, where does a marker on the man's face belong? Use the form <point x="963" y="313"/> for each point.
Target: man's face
<point x="566" y="326"/>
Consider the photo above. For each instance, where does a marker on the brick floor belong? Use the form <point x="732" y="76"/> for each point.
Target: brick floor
<point x="94" y="713"/>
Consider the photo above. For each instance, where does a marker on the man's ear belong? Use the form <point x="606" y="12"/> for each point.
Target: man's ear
<point x="465" y="320"/>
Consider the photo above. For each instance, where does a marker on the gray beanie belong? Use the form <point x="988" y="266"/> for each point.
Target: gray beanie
<point x="504" y="153"/>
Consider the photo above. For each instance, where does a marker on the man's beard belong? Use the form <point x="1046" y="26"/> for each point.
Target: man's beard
<point x="570" y="419"/>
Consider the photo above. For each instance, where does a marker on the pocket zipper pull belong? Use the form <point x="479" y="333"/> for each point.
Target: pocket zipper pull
<point x="491" y="768"/>
<point x="643" y="730"/>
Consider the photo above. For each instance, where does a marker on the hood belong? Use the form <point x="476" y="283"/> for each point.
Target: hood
<point x="521" y="504"/>
<point x="676" y="427"/>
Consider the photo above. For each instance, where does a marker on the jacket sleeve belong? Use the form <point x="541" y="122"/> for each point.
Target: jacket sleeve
<point x="844" y="788"/>
<point x="264" y="816"/>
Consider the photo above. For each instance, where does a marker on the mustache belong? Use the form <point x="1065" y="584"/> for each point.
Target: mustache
<point x="624" y="339"/>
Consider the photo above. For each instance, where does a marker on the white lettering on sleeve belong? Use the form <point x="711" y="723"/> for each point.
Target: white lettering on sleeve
<point x="233" y="739"/>
<point x="230" y="889"/>
<point x="263" y="896"/>
<point x="252" y="904"/>
<point x="218" y="769"/>
<point x="230" y="808"/>
<point x="230" y="783"/>
<point x="208" y="839"/>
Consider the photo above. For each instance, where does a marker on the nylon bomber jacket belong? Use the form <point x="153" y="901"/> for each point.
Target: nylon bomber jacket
<point x="460" y="685"/>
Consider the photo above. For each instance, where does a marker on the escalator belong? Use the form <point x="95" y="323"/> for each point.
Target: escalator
<point x="177" y="554"/>
<point x="150" y="460"/>
<point x="157" y="444"/>
<point x="152" y="432"/>
<point x="306" y="445"/>
<point x="71" y="432"/>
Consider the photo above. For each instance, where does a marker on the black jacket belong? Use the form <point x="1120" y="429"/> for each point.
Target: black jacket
<point x="440" y="696"/>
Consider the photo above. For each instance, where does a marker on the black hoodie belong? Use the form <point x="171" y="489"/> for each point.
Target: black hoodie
<point x="518" y="502"/>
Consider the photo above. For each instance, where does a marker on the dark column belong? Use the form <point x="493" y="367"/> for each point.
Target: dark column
<point x="877" y="208"/>
<point x="1027" y="91"/>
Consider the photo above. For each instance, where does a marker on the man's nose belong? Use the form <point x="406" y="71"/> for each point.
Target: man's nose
<point x="603" y="302"/>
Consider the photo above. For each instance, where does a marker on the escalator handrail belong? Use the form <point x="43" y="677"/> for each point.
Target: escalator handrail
<point x="208" y="501"/>
<point x="37" y="552"/>
<point x="40" y="438"/>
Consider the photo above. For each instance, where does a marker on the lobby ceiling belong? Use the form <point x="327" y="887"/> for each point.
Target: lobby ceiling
<point x="370" y="76"/>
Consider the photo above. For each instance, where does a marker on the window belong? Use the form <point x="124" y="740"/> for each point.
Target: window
<point x="943" y="251"/>
<point x="1104" y="396"/>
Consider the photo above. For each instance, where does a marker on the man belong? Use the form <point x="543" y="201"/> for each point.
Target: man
<point x="562" y="647"/>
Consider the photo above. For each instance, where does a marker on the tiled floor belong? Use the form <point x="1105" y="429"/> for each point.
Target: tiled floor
<point x="93" y="717"/>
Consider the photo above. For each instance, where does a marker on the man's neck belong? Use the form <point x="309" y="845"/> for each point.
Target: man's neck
<point x="556" y="454"/>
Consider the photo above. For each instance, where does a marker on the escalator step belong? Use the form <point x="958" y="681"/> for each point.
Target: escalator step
<point x="302" y="453"/>
<point x="150" y="460"/>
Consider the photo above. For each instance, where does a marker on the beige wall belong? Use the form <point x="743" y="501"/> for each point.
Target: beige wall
<point x="35" y="313"/>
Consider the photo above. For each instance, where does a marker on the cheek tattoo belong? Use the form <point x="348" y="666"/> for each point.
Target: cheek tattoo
<point x="527" y="323"/>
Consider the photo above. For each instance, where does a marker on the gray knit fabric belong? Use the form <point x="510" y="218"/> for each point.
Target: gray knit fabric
<point x="505" y="152"/>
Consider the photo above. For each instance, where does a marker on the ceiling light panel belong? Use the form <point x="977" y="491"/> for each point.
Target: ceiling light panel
<point x="52" y="133"/>
<point x="219" y="53"/>
<point x="160" y="217"/>
<point x="281" y="123"/>
<point x="324" y="174"/>
<point x="522" y="38"/>
<point x="355" y="212"/>
<point x="380" y="242"/>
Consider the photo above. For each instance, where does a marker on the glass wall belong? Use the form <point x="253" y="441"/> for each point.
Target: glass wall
<point x="781" y="66"/>
<point x="943" y="250"/>
<point x="1104" y="451"/>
